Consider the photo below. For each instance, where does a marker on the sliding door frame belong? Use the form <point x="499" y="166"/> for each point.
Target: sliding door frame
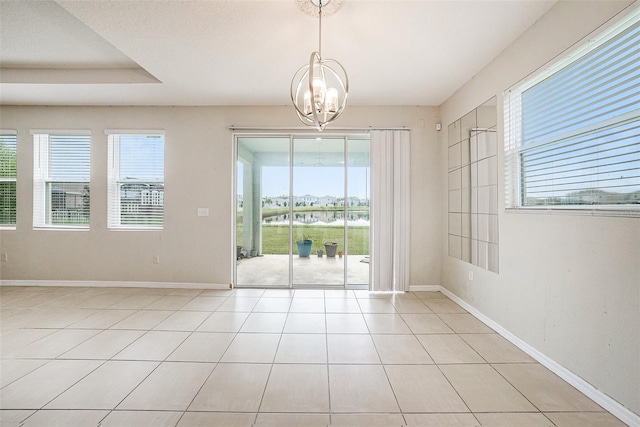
<point x="345" y="136"/>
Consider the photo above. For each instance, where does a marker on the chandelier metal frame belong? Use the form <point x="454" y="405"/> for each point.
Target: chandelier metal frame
<point x="316" y="104"/>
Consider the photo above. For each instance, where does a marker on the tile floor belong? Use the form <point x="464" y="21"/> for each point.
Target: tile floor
<point x="184" y="357"/>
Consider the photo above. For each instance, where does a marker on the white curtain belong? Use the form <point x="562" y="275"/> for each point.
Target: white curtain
<point x="390" y="210"/>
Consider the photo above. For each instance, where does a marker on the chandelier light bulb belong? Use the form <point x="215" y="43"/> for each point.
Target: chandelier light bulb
<point x="331" y="104"/>
<point x="319" y="90"/>
<point x="308" y="109"/>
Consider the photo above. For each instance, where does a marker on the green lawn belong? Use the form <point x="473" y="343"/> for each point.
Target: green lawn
<point x="275" y="238"/>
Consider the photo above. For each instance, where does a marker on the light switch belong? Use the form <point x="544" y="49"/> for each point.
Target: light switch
<point x="203" y="211"/>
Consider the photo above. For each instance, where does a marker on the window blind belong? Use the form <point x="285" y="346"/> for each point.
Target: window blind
<point x="8" y="176"/>
<point x="572" y="134"/>
<point x="136" y="181"/>
<point x="62" y="169"/>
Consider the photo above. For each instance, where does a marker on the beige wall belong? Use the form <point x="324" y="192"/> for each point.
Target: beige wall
<point x="198" y="173"/>
<point x="569" y="285"/>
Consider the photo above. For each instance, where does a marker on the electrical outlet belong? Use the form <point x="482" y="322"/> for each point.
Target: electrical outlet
<point x="156" y="259"/>
<point x="471" y="276"/>
<point x="4" y="257"/>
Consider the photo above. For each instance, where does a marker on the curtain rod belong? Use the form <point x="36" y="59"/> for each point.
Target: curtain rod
<point x="306" y="128"/>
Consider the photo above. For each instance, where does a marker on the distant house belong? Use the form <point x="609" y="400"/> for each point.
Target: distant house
<point x="306" y="200"/>
<point x="135" y="197"/>
<point x="280" y="201"/>
<point x="326" y="201"/>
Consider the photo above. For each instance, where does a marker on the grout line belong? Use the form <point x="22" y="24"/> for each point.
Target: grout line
<point x="326" y="340"/>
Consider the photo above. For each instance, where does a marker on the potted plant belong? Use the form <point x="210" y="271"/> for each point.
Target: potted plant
<point x="304" y="247"/>
<point x="330" y="248"/>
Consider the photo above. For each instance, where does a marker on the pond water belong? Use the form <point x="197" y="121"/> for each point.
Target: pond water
<point x="324" y="218"/>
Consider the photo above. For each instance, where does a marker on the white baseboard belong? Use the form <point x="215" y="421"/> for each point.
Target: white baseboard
<point x="110" y="284"/>
<point x="615" y="408"/>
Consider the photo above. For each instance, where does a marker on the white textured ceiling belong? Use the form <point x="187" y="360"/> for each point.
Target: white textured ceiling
<point x="237" y="52"/>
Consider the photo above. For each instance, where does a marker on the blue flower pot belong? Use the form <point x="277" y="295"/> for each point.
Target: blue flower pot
<point x="304" y="248"/>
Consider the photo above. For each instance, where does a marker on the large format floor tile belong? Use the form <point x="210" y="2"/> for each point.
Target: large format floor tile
<point x="403" y="305"/>
<point x="53" y="345"/>
<point x="36" y="389"/>
<point x="366" y="420"/>
<point x="103" y="319"/>
<point x="484" y="390"/>
<point x="443" y="420"/>
<point x="171" y="387"/>
<point x="13" y="369"/>
<point x="143" y="320"/>
<point x="264" y="322"/>
<point x="302" y="348"/>
<point x="47" y="418"/>
<point x="514" y="419"/>
<point x="495" y="349"/>
<point x="292" y="419"/>
<point x="443" y="305"/>
<point x="307" y="305"/>
<point x="183" y="321"/>
<point x="272" y="305"/>
<point x="401" y="349"/>
<point x="423" y="389"/>
<point x="584" y="419"/>
<point x="360" y="388"/>
<point x="426" y="324"/>
<point x="169" y="302"/>
<point x="545" y="389"/>
<point x="297" y="388"/>
<point x="305" y="323"/>
<point x="465" y="324"/>
<point x="105" y="387"/>
<point x="223" y="321"/>
<point x="216" y="419"/>
<point x="204" y="303"/>
<point x="352" y="349"/>
<point x="202" y="347"/>
<point x="101" y="357"/>
<point x="449" y="348"/>
<point x="252" y="348"/>
<point x="13" y="418"/>
<point x="104" y="345"/>
<point x="154" y="345"/>
<point x="346" y="324"/>
<point x="233" y="388"/>
<point x="14" y="339"/>
<point x="386" y="324"/>
<point x="141" y="418"/>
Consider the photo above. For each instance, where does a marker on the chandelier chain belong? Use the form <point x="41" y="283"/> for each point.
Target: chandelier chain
<point x="320" y="29"/>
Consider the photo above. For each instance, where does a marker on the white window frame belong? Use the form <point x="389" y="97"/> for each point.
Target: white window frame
<point x="42" y="178"/>
<point x="115" y="182"/>
<point x="513" y="127"/>
<point x="14" y="133"/>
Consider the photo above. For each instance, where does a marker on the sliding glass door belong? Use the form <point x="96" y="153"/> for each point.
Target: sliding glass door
<point x="302" y="211"/>
<point x="262" y="212"/>
<point x="318" y="211"/>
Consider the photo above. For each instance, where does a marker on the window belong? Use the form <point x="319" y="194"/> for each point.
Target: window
<point x="61" y="174"/>
<point x="8" y="169"/>
<point x="136" y="181"/>
<point x="572" y="132"/>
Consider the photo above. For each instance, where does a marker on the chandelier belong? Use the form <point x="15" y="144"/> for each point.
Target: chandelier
<point x="319" y="89"/>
